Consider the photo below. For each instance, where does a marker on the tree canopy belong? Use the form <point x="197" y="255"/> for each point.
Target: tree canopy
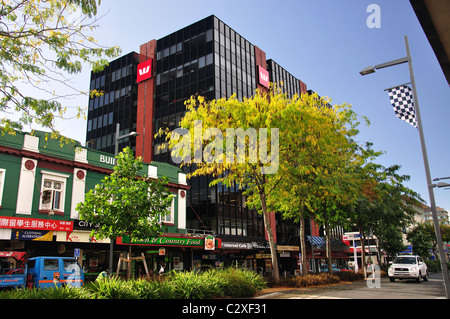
<point x="42" y="43"/>
<point x="261" y="142"/>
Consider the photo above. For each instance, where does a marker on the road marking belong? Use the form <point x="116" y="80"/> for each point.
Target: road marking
<point x="316" y="297"/>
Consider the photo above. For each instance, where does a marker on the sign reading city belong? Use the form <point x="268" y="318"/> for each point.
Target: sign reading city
<point x="145" y="71"/>
<point x="263" y="76"/>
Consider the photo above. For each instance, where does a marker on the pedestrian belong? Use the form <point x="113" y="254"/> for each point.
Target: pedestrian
<point x="161" y="269"/>
<point x="102" y="275"/>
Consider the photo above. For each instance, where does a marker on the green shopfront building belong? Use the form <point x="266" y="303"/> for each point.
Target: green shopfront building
<point x="41" y="182"/>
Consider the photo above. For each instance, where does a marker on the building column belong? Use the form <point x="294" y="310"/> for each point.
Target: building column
<point x="145" y="105"/>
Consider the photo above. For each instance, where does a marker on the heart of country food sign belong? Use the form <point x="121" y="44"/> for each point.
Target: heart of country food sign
<point x="169" y="241"/>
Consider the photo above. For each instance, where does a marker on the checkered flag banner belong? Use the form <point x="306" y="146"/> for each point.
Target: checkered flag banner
<point x="402" y="102"/>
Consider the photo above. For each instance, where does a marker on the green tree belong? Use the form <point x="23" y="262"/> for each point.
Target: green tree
<point x="384" y="207"/>
<point x="421" y="238"/>
<point x="42" y="43"/>
<point x="428" y="230"/>
<point x="390" y="239"/>
<point x="126" y="202"/>
<point x="445" y="233"/>
<point x="394" y="210"/>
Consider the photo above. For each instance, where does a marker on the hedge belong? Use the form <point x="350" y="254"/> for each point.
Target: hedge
<point x="234" y="283"/>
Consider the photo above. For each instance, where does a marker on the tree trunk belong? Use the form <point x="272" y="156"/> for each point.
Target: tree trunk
<point x="129" y="259"/>
<point x="328" y="247"/>
<point x="303" y="244"/>
<point x="363" y="250"/>
<point x="273" y="250"/>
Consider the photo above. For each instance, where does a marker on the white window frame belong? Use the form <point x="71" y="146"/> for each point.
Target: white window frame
<point x="169" y="218"/>
<point x="54" y="177"/>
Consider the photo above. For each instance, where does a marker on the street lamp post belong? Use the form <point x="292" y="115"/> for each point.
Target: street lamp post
<point x="430" y="186"/>
<point x="116" y="151"/>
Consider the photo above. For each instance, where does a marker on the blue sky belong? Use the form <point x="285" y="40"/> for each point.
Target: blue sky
<point x="325" y="43"/>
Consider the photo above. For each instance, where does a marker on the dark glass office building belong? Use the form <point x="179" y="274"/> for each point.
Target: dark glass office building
<point x="145" y="92"/>
<point x="207" y="58"/>
<point x="118" y="104"/>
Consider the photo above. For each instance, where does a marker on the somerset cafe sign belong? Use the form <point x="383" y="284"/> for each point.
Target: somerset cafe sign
<point x="207" y="243"/>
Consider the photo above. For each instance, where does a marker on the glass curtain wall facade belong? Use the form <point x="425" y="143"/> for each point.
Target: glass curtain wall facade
<point x="117" y="104"/>
<point x="207" y="58"/>
<point x="285" y="81"/>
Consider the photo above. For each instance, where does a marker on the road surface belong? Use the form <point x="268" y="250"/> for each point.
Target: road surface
<point x="400" y="289"/>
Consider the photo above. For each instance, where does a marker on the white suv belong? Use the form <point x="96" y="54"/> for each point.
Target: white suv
<point x="408" y="267"/>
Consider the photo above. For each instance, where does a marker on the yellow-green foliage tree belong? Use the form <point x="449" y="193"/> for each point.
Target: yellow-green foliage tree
<point x="260" y="143"/>
<point x="42" y="42"/>
<point x="319" y="160"/>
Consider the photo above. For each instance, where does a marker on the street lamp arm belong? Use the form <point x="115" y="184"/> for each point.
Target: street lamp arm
<point x="439" y="178"/>
<point x="126" y="135"/>
<point x="371" y="69"/>
<point x="393" y="62"/>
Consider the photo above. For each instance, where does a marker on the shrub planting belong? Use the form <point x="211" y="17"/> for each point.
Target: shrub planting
<point x="311" y="280"/>
<point x="234" y="283"/>
<point x="315" y="280"/>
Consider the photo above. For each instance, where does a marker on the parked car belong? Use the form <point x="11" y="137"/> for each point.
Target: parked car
<point x="17" y="271"/>
<point x="13" y="269"/>
<point x="324" y="268"/>
<point x="408" y="267"/>
<point x="47" y="272"/>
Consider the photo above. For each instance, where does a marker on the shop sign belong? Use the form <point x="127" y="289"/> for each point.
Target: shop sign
<point x="288" y="248"/>
<point x="82" y="224"/>
<point x="170" y="241"/>
<point x="36" y="224"/>
<point x="236" y="245"/>
<point x="37" y="235"/>
<point x="209" y="242"/>
<point x="80" y="237"/>
<point x="144" y="71"/>
<point x="263" y="256"/>
<point x="263" y="76"/>
<point x="260" y="245"/>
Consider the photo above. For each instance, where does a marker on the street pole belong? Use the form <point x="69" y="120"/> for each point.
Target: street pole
<point x="111" y="240"/>
<point x="355" y="255"/>
<point x="428" y="175"/>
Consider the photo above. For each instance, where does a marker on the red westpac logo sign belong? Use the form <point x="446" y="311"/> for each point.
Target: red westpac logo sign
<point x="144" y="71"/>
<point x="263" y="76"/>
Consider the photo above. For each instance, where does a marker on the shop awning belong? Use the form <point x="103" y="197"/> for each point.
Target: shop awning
<point x="315" y="240"/>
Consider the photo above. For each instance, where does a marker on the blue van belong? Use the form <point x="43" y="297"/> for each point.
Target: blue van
<point x="45" y="272"/>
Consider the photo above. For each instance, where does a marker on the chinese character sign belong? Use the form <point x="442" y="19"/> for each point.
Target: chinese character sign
<point x="32" y="223"/>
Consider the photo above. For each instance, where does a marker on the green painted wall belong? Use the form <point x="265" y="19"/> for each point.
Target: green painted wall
<point x="9" y="200"/>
